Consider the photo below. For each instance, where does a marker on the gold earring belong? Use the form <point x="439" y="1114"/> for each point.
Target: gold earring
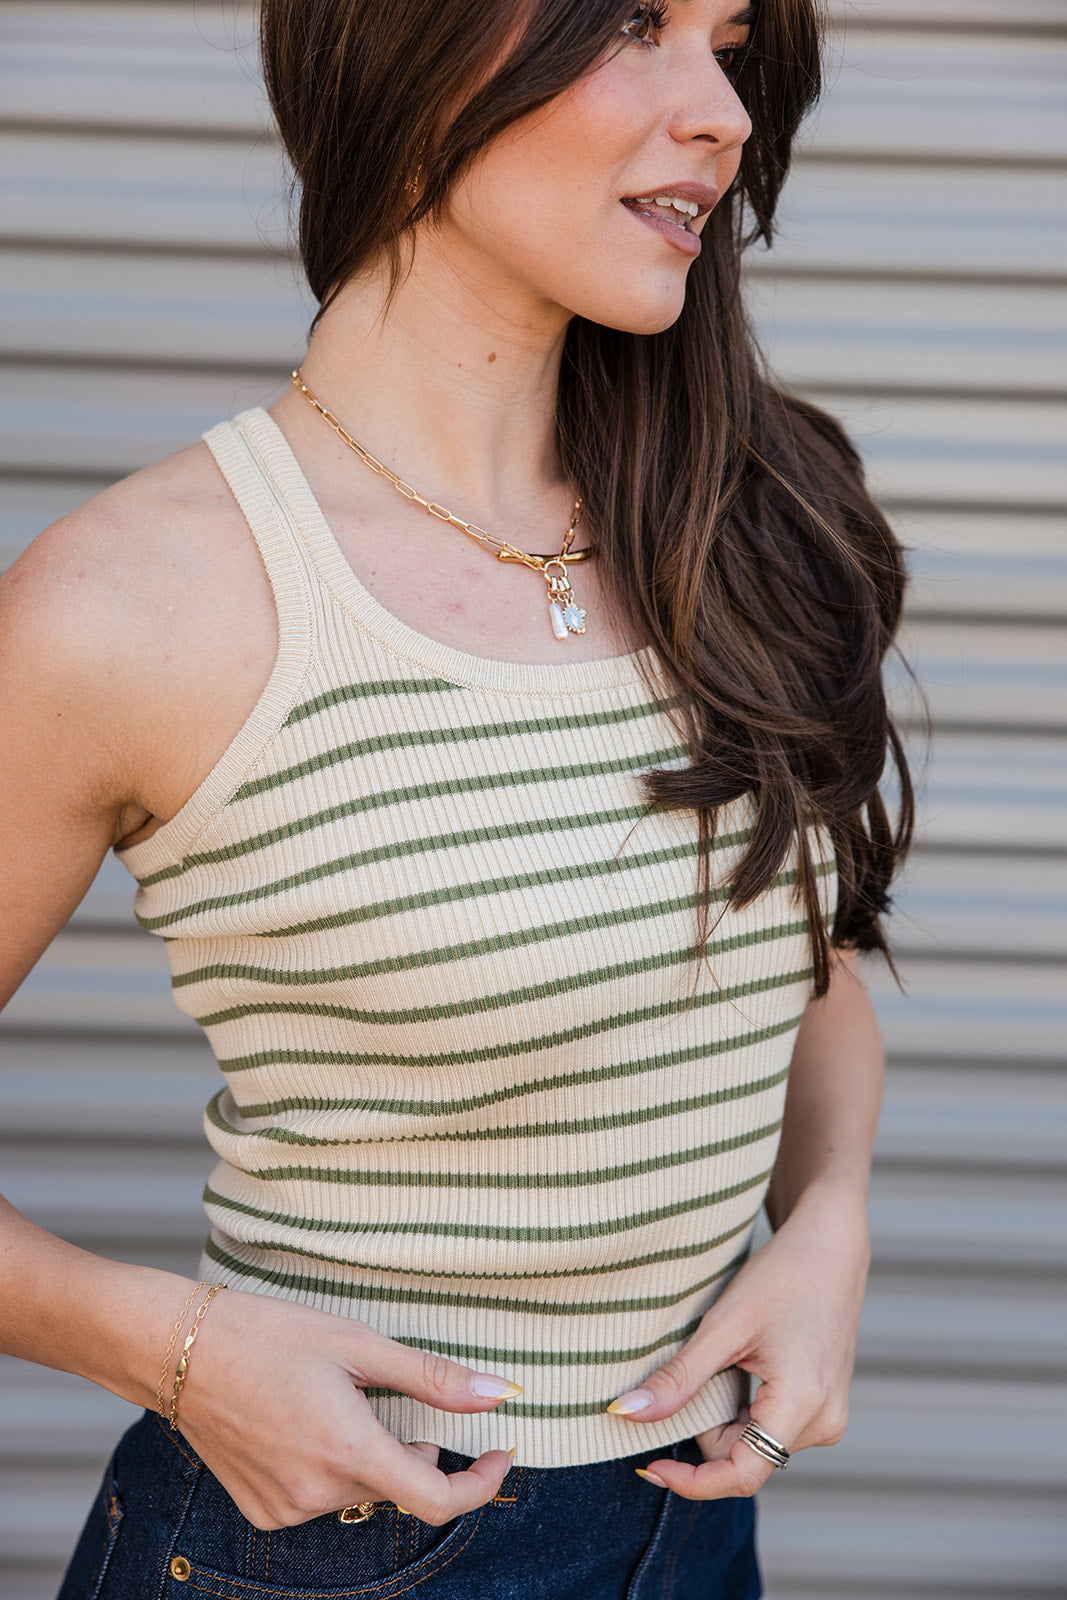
<point x="411" y="187"/>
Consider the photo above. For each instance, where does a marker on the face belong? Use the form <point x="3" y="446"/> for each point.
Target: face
<point x="565" y="209"/>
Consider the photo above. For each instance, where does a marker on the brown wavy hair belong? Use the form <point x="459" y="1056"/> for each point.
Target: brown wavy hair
<point x="732" y="523"/>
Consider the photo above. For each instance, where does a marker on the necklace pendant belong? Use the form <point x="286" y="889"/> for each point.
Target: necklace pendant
<point x="566" y="617"/>
<point x="564" y="612"/>
<point x="574" y="616"/>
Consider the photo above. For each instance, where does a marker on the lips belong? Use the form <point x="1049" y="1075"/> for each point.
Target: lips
<point x="703" y="195"/>
<point x="653" y="209"/>
<point x="663" y="208"/>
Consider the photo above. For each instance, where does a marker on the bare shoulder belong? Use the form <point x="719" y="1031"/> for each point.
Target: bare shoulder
<point x="144" y="622"/>
<point x="132" y="550"/>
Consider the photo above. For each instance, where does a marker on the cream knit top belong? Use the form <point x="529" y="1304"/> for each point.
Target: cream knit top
<point x="438" y="941"/>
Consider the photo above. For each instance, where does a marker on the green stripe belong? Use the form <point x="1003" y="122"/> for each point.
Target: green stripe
<point x="705" y="1050"/>
<point x="680" y="1252"/>
<point x="519" y="1047"/>
<point x="455" y="893"/>
<point x="523" y="827"/>
<point x="475" y="1005"/>
<point x="540" y="1308"/>
<point x="492" y="944"/>
<point x="523" y="1130"/>
<point x="582" y="1178"/>
<point x="529" y="1408"/>
<point x="496" y="1231"/>
<point x="408" y="794"/>
<point x="547" y="1413"/>
<point x="540" y="1357"/>
<point x="451" y="733"/>
<point x="345" y="693"/>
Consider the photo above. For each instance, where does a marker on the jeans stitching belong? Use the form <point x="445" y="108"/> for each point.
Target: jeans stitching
<point x="196" y="1468"/>
<point x="510" y="1499"/>
<point x="633" y="1588"/>
<point x="173" y="1437"/>
<point x="113" y="1515"/>
<point x="667" y="1587"/>
<point x="378" y="1587"/>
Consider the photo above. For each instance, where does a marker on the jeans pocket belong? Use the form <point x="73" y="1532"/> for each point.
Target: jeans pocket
<point x="217" y="1552"/>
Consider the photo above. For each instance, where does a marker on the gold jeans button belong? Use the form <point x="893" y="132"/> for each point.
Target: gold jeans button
<point x="180" y="1569"/>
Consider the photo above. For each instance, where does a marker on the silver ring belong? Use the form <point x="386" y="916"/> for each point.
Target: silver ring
<point x="762" y="1443"/>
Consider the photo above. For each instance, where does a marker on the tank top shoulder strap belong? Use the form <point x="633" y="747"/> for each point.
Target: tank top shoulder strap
<point x="239" y="450"/>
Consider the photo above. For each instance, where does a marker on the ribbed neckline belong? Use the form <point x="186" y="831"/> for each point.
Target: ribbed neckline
<point x="263" y="434"/>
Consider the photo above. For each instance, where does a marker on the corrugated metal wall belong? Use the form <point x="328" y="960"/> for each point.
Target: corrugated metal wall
<point x="918" y="291"/>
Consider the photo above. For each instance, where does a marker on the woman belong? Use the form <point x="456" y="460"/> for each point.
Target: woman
<point x="510" y="894"/>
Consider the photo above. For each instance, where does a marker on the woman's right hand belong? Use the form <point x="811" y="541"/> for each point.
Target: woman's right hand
<point x="274" y="1406"/>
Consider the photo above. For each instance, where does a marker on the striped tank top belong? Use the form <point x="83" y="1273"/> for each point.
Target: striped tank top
<point x="439" y="942"/>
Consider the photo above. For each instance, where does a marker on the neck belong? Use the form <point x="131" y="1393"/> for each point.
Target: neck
<point x="453" y="384"/>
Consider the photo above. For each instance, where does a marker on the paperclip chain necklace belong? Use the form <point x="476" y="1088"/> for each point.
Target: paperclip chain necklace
<point x="564" y="612"/>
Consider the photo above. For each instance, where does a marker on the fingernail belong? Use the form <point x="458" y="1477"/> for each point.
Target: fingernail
<point x="636" y="1400"/>
<point x="650" y="1477"/>
<point x="513" y="1451"/>
<point x="487" y="1388"/>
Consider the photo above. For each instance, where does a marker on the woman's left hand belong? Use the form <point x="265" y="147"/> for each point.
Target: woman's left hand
<point x="791" y="1317"/>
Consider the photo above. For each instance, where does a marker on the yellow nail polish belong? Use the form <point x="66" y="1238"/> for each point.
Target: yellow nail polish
<point x="513" y="1451"/>
<point x="494" y="1388"/>
<point x="650" y="1477"/>
<point x="627" y="1404"/>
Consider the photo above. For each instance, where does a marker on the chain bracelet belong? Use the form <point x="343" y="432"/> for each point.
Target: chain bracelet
<point x="161" y="1405"/>
<point x="181" y="1370"/>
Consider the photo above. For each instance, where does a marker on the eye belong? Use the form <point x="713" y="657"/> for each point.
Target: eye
<point x="732" y="58"/>
<point x="646" y="20"/>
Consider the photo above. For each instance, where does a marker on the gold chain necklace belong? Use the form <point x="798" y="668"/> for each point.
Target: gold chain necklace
<point x="565" y="614"/>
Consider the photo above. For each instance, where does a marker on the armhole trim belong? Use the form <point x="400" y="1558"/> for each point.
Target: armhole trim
<point x="278" y="541"/>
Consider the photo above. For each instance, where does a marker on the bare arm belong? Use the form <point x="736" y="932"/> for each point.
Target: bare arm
<point x="832" y="1105"/>
<point x="106" y="671"/>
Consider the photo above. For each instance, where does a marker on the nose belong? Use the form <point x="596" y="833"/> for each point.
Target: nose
<point x="708" y="108"/>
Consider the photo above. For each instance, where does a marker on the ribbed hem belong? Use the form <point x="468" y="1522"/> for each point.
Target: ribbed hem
<point x="560" y="1419"/>
<point x="564" y="1441"/>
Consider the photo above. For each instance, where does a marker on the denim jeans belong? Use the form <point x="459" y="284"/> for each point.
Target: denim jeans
<point x="163" y="1528"/>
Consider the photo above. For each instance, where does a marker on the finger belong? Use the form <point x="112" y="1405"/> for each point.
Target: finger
<point x="711" y="1349"/>
<point x="378" y="1360"/>
<point x="737" y="1472"/>
<point x="738" y="1476"/>
<point x="359" y="1493"/>
<point x="716" y="1443"/>
<point x="407" y="1476"/>
<point x="437" y="1497"/>
<point x="430" y="1453"/>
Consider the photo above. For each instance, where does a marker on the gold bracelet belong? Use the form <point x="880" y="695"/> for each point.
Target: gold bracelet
<point x="182" y="1368"/>
<point x="161" y="1405"/>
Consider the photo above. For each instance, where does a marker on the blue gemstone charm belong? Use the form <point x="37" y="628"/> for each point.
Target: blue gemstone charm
<point x="574" y="617"/>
